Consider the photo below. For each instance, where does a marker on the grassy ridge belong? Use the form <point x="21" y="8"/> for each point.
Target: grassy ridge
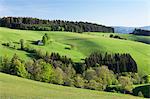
<point x="12" y="87"/>
<point x="83" y="45"/>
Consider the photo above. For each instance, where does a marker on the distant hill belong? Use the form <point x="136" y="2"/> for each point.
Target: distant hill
<point x="29" y="23"/>
<point x="121" y="29"/>
<point x="145" y="28"/>
<point x="141" y="32"/>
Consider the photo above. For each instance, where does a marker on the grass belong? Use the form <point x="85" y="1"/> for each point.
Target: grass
<point x="83" y="45"/>
<point x="143" y="39"/>
<point x="12" y="87"/>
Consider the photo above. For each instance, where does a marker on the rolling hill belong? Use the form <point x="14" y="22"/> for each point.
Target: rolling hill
<point x="28" y="89"/>
<point x="126" y="30"/>
<point x="83" y="44"/>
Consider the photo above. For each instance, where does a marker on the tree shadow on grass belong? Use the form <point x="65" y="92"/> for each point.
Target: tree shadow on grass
<point x="32" y="55"/>
<point x="32" y="42"/>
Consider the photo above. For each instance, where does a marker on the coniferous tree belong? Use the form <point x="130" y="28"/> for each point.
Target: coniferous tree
<point x="22" y="44"/>
<point x="44" y="40"/>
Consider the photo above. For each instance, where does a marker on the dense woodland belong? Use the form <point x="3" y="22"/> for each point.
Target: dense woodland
<point x="118" y="63"/>
<point x="141" y="32"/>
<point x="27" y="23"/>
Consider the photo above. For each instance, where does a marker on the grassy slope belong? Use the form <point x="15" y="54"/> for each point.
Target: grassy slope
<point x="144" y="39"/>
<point x="83" y="45"/>
<point x="13" y="87"/>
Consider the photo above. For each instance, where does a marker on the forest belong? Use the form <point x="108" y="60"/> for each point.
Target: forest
<point x="28" y="23"/>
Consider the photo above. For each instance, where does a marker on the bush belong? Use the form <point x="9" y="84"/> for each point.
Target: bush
<point x="58" y="76"/>
<point x="93" y="85"/>
<point x="126" y="84"/>
<point x="90" y="74"/>
<point x="79" y="82"/>
<point x="111" y="35"/>
<point x="68" y="81"/>
<point x="146" y="79"/>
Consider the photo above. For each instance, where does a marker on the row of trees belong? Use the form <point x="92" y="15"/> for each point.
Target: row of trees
<point x="116" y="62"/>
<point x="141" y="32"/>
<point x="97" y="78"/>
<point x="27" y="23"/>
<point x="57" y="69"/>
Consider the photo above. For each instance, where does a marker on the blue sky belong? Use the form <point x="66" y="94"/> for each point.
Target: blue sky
<point x="107" y="12"/>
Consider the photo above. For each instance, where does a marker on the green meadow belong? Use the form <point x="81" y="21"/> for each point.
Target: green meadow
<point x="12" y="87"/>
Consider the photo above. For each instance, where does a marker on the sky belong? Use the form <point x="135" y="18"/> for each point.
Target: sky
<point x="133" y="13"/>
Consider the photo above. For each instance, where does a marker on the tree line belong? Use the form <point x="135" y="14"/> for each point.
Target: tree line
<point x="28" y="23"/>
<point x="141" y="32"/>
<point x="116" y="62"/>
<point x="61" y="70"/>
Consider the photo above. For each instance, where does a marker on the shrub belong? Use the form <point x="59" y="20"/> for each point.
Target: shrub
<point x="126" y="84"/>
<point x="58" y="76"/>
<point x="79" y="81"/>
<point x="111" y="35"/>
<point x="90" y="74"/>
<point x="146" y="79"/>
<point x="93" y="85"/>
<point x="68" y="81"/>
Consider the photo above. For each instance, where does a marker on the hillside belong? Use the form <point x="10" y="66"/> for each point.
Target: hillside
<point x="123" y="30"/>
<point x="127" y="30"/>
<point x="145" y="28"/>
<point x="143" y="39"/>
<point x="26" y="89"/>
<point x="83" y="45"/>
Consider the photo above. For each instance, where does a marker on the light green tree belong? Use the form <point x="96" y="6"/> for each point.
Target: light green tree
<point x="46" y="72"/>
<point x="126" y="83"/>
<point x="58" y="76"/>
<point x="79" y="81"/>
<point x="105" y="75"/>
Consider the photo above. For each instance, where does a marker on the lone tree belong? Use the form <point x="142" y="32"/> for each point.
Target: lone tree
<point x="22" y="44"/>
<point x="45" y="39"/>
